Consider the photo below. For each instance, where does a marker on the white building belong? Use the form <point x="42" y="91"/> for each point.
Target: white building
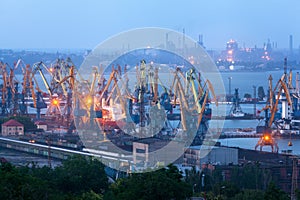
<point x="41" y="125"/>
<point x="12" y="128"/>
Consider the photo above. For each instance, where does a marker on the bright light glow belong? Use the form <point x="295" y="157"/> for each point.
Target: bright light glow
<point x="55" y="102"/>
<point x="89" y="100"/>
<point x="267" y="137"/>
<point x="230" y="52"/>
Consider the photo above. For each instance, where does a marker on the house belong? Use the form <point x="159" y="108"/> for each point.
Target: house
<point x="12" y="128"/>
<point x="41" y="125"/>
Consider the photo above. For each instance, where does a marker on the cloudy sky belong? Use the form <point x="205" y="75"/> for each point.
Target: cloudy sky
<point x="84" y="24"/>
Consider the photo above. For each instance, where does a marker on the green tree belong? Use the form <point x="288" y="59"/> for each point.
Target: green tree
<point x="251" y="176"/>
<point x="79" y="174"/>
<point x="78" y="178"/>
<point x="193" y="178"/>
<point x="247" y="96"/>
<point x="91" y="195"/>
<point x="274" y="193"/>
<point x="226" y="189"/>
<point x="249" y="195"/>
<point x="297" y="193"/>
<point x="16" y="185"/>
<point x="162" y="184"/>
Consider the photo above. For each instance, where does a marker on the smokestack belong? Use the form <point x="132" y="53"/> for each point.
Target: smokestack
<point x="291" y="44"/>
<point x="183" y="42"/>
<point x="167" y="40"/>
<point x="200" y="40"/>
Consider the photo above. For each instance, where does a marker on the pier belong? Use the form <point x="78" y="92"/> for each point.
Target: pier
<point x="110" y="159"/>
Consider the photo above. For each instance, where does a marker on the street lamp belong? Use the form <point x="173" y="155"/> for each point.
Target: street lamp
<point x="202" y="180"/>
<point x="254" y="98"/>
<point x="229" y="95"/>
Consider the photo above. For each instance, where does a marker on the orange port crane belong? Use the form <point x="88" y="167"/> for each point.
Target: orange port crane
<point x="54" y="105"/>
<point x="190" y="99"/>
<point x="4" y="88"/>
<point x="267" y="138"/>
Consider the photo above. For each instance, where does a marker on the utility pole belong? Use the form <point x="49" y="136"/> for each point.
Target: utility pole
<point x="49" y="151"/>
<point x="254" y="98"/>
<point x="294" y="178"/>
<point x="229" y="95"/>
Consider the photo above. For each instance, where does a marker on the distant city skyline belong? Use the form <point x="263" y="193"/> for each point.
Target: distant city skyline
<point x="67" y="24"/>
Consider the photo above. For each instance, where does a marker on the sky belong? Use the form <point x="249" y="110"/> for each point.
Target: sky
<point x="75" y="24"/>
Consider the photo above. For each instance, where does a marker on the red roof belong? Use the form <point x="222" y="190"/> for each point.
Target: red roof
<point x="40" y="123"/>
<point x="12" y="122"/>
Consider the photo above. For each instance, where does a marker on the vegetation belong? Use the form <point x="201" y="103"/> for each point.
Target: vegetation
<point x="163" y="184"/>
<point x="80" y="178"/>
<point x="247" y="96"/>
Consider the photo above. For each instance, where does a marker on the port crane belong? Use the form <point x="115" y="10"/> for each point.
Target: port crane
<point x="281" y="92"/>
<point x="53" y="108"/>
<point x="9" y="89"/>
<point x="193" y="101"/>
<point x="3" y="72"/>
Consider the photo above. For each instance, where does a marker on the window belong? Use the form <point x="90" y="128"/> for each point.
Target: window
<point x="20" y="128"/>
<point x="140" y="150"/>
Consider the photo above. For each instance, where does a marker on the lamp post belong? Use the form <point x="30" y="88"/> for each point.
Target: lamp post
<point x="229" y="82"/>
<point x="202" y="182"/>
<point x="254" y="98"/>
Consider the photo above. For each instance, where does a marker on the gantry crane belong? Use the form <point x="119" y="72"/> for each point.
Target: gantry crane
<point x="192" y="98"/>
<point x="37" y="97"/>
<point x="54" y="105"/>
<point x="3" y="72"/>
<point x="84" y="98"/>
<point x="280" y="91"/>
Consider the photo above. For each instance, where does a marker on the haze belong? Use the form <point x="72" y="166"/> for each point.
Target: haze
<point x="84" y="24"/>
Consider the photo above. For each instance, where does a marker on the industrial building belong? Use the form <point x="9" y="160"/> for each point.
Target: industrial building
<point x="201" y="155"/>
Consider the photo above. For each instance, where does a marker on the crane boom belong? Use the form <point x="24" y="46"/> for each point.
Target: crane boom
<point x="38" y="68"/>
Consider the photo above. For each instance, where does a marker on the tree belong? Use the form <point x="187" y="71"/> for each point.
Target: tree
<point x="193" y="178"/>
<point x="91" y="196"/>
<point x="247" y="96"/>
<point x="16" y="185"/>
<point x="261" y="93"/>
<point x="79" y="174"/>
<point x="78" y="178"/>
<point x="249" y="195"/>
<point x="226" y="189"/>
<point x="162" y="184"/>
<point x="274" y="193"/>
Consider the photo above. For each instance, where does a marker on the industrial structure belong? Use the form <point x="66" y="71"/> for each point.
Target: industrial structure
<point x="151" y="109"/>
<point x="282" y="121"/>
<point x="105" y="104"/>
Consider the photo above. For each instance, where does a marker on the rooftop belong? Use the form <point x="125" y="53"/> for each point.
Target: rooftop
<point x="12" y="122"/>
<point x="40" y="123"/>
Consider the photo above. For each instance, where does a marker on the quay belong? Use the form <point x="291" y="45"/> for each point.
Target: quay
<point x="108" y="158"/>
